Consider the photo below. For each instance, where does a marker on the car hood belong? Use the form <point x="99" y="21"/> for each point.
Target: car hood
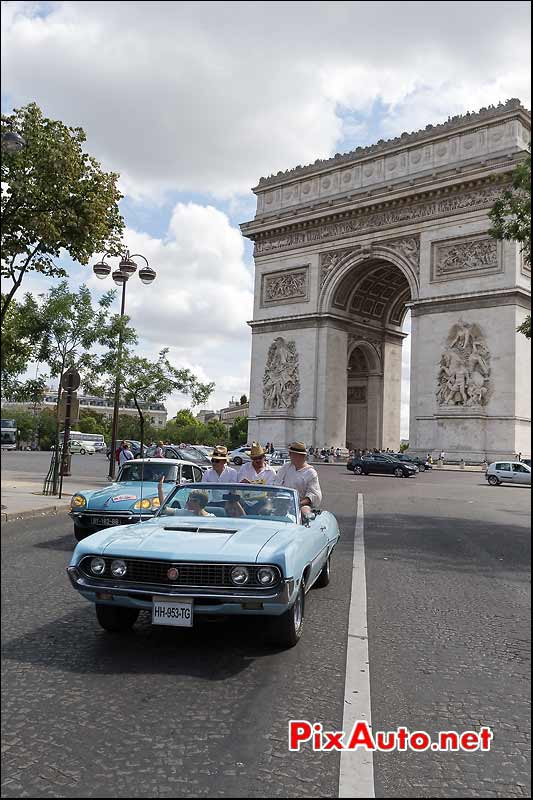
<point x="183" y="539"/>
<point x="107" y="499"/>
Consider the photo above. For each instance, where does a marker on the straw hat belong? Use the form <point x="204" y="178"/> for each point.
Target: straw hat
<point x="257" y="451"/>
<point x="298" y="447"/>
<point x="220" y="453"/>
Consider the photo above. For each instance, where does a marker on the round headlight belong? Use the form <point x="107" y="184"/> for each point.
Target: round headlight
<point x="240" y="575"/>
<point x="155" y="502"/>
<point x="266" y="576"/>
<point x="143" y="503"/>
<point x="118" y="568"/>
<point x="77" y="501"/>
<point x="98" y="566"/>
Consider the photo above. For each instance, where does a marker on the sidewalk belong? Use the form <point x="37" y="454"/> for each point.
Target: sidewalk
<point x="24" y="498"/>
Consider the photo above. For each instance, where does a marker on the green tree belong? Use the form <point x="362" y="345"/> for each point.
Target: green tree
<point x="184" y="417"/>
<point x="238" y="433"/>
<point x="145" y="381"/>
<point x="22" y="332"/>
<point x="92" y="422"/>
<point x="216" y="433"/>
<point x="243" y="400"/>
<point x="511" y="218"/>
<point x="404" y="446"/>
<point x="57" y="198"/>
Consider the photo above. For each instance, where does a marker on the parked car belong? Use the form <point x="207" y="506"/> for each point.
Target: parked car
<point x="278" y="458"/>
<point x="421" y="463"/>
<point x="526" y="461"/>
<point x="508" y="472"/>
<point x="240" y="455"/>
<point x="180" y="564"/>
<point x="81" y="447"/>
<point x="381" y="464"/>
<point x="132" y="497"/>
<point x="189" y="453"/>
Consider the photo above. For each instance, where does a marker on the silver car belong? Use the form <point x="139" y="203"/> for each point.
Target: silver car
<point x="508" y="472"/>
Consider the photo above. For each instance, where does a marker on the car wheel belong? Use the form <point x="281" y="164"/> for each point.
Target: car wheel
<point x="238" y="461"/>
<point x="398" y="472"/>
<point x="116" y="619"/>
<point x="324" y="577"/>
<point x="81" y="533"/>
<point x="288" y="627"/>
<point x="82" y="452"/>
<point x="421" y="468"/>
<point x="493" y="480"/>
<point x="358" y="470"/>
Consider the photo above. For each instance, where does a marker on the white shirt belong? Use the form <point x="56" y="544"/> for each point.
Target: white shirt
<point x="123" y="456"/>
<point x="304" y="480"/>
<point x="228" y="475"/>
<point x="265" y="476"/>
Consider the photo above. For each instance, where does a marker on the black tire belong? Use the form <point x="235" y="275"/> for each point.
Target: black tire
<point x="358" y="470"/>
<point x="398" y="472"/>
<point x="116" y="619"/>
<point x="288" y="628"/>
<point x="324" y="577"/>
<point x="238" y="461"/>
<point x="81" y="533"/>
<point x="493" y="480"/>
<point x="82" y="452"/>
<point x="421" y="468"/>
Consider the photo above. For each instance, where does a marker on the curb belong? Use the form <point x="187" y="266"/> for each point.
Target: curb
<point x="9" y="516"/>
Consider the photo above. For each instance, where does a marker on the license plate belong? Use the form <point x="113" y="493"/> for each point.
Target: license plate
<point x="172" y="612"/>
<point x="106" y="521"/>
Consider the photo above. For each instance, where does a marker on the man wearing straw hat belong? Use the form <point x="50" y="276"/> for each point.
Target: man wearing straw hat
<point x="257" y="470"/>
<point x="220" y="472"/>
<point x="301" y="476"/>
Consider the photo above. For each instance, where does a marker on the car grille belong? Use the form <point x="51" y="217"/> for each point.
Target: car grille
<point x="141" y="571"/>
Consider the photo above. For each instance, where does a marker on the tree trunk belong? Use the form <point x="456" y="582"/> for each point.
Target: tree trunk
<point x="141" y="416"/>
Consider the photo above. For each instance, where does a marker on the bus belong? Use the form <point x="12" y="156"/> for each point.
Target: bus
<point x="9" y="434"/>
<point x="96" y="439"/>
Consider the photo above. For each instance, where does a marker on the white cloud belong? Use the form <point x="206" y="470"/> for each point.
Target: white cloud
<point x="208" y="96"/>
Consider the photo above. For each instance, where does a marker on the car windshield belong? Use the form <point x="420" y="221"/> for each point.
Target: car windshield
<point x="149" y="472"/>
<point x="232" y="500"/>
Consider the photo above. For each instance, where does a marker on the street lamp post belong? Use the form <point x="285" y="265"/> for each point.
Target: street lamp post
<point x="126" y="269"/>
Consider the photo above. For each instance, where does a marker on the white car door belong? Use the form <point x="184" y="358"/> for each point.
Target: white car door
<point x="521" y="474"/>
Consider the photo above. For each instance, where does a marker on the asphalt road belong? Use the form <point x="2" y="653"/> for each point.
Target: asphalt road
<point x="34" y="466"/>
<point x="203" y="713"/>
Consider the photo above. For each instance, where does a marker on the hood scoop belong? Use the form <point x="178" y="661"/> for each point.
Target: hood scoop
<point x="196" y="529"/>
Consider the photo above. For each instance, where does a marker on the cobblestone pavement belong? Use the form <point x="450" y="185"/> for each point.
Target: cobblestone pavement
<point x="203" y="713"/>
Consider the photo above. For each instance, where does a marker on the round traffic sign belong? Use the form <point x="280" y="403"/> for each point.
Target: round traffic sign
<point x="66" y="379"/>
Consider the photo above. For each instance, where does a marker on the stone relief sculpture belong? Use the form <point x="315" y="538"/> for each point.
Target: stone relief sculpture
<point x="468" y="256"/>
<point x="464" y="369"/>
<point x="285" y="287"/>
<point x="281" y="381"/>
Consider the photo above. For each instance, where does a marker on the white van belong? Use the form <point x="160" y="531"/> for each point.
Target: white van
<point x="509" y="472"/>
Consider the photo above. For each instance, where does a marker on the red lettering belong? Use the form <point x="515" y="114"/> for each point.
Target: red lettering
<point x="469" y="741"/>
<point x="485" y="735"/>
<point x="402" y="735"/>
<point x="299" y="731"/>
<point x="449" y="740"/>
<point x="333" y="740"/>
<point x="385" y="741"/>
<point x="361" y="737"/>
<point x="419" y="740"/>
<point x="317" y="736"/>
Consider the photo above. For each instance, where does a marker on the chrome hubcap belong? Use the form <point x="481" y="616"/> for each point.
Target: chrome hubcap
<point x="298" y="612"/>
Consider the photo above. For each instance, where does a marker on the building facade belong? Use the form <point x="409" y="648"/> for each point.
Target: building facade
<point x="344" y="247"/>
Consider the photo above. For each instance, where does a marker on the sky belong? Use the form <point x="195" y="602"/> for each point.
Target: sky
<point x="192" y="102"/>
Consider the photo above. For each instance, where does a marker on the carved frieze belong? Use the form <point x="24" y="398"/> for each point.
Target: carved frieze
<point x="356" y="395"/>
<point x="465" y="257"/>
<point x="290" y="286"/>
<point x="281" y="379"/>
<point x="463" y="375"/>
<point x="330" y="261"/>
<point x="364" y="222"/>
<point x="408" y="247"/>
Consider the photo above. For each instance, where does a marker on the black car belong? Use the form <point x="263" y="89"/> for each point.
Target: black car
<point x="421" y="463"/>
<point x="380" y="464"/>
<point x="184" y="453"/>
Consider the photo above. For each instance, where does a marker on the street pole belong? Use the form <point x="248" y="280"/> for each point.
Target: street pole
<point x="114" y="426"/>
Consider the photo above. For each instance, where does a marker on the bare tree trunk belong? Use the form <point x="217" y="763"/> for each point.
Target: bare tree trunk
<point x="141" y="415"/>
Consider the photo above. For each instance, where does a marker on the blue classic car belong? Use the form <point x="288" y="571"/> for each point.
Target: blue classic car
<point x="212" y="549"/>
<point x="132" y="497"/>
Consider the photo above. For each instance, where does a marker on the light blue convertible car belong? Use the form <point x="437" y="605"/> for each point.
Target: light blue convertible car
<point x="211" y="549"/>
<point x="133" y="497"/>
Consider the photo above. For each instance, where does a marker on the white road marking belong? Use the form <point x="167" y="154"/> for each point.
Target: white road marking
<point x="356" y="777"/>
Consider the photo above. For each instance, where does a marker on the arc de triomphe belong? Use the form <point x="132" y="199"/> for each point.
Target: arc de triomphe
<point x="344" y="247"/>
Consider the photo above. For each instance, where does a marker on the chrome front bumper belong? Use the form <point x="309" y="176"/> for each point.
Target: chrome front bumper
<point x="281" y="595"/>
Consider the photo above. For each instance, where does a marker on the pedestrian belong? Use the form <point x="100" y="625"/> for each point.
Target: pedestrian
<point x="301" y="476"/>
<point x="220" y="472"/>
<point x="257" y="470"/>
<point x="159" y="452"/>
<point x="125" y="453"/>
